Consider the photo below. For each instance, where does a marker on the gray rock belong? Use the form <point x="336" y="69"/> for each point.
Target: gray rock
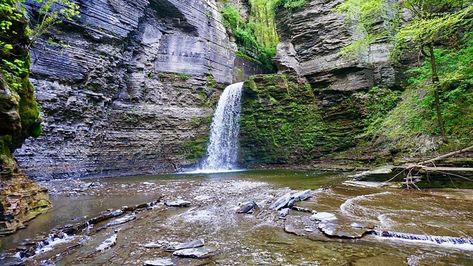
<point x="334" y="229"/>
<point x="107" y="243"/>
<point x="159" y="262"/>
<point x="122" y="220"/>
<point x="281" y="202"/>
<point x="178" y="203"/>
<point x="247" y="207"/>
<point x="196" y="253"/>
<point x="323" y="216"/>
<point x="192" y="244"/>
<point x="289" y="199"/>
<point x="283" y="213"/>
<point x="153" y="245"/>
<point x="122" y="88"/>
<point x="311" y="40"/>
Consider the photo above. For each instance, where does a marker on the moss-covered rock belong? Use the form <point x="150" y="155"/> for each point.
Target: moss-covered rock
<point x="287" y="122"/>
<point x="20" y="198"/>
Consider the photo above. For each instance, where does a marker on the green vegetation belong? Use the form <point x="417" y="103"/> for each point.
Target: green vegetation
<point x="434" y="24"/>
<point x="256" y="37"/>
<point x="416" y="113"/>
<point x="18" y="31"/>
<point x="289" y="4"/>
<point x="284" y="121"/>
<point x="280" y="121"/>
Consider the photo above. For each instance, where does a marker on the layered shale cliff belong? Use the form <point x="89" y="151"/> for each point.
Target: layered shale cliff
<point x="320" y="102"/>
<point x="128" y="88"/>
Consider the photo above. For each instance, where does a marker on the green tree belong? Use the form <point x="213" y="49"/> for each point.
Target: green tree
<point x="411" y="26"/>
<point x="13" y="13"/>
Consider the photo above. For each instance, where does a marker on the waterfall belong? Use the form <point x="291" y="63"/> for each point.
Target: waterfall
<point x="222" y="150"/>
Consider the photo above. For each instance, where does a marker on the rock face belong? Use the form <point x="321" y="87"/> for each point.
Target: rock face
<point x="20" y="198"/>
<point x="312" y="38"/>
<point x="319" y="101"/>
<point x="128" y="89"/>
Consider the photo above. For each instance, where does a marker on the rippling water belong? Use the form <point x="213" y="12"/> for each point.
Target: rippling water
<point x="407" y="225"/>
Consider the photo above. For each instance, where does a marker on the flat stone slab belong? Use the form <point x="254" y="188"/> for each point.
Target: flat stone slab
<point x="178" y="203"/>
<point x="323" y="216"/>
<point x="341" y="231"/>
<point x="108" y="243"/>
<point x="196" y="253"/>
<point x="122" y="220"/>
<point x="159" y="262"/>
<point x="188" y="245"/>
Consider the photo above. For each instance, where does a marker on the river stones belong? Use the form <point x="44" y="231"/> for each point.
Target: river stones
<point x="340" y="231"/>
<point x="159" y="262"/>
<point x="122" y="220"/>
<point x="196" y="253"/>
<point x="288" y="199"/>
<point x="303" y="226"/>
<point x="247" y="207"/>
<point x="107" y="243"/>
<point x="192" y="244"/>
<point x="323" y="216"/>
<point x="283" y="213"/>
<point x="178" y="203"/>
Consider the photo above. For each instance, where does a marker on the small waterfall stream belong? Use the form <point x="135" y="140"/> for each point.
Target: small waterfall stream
<point x="222" y="151"/>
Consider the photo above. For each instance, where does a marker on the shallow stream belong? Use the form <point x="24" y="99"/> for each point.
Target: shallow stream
<point x="262" y="237"/>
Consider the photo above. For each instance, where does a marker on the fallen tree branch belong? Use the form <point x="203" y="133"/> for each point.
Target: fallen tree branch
<point x="446" y="155"/>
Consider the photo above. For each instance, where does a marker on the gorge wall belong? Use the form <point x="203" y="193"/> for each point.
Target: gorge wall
<point x="129" y="88"/>
<point x="318" y="104"/>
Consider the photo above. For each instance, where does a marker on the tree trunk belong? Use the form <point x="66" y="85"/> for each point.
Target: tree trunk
<point x="435" y="82"/>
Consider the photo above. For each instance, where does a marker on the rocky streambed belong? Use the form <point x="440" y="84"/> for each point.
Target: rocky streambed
<point x="246" y="218"/>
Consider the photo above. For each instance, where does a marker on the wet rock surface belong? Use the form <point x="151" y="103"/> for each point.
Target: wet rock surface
<point x="178" y="203"/>
<point x="159" y="262"/>
<point x="247" y="207"/>
<point x="196" y="253"/>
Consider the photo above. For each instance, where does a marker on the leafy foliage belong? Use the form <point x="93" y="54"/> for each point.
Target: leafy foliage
<point x="290" y="4"/>
<point x="257" y="37"/>
<point x="415" y="114"/>
<point x="18" y="30"/>
<point x="427" y="22"/>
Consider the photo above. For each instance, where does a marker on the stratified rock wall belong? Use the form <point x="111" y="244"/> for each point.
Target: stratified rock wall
<point x="316" y="34"/>
<point x="128" y="88"/>
<point x="318" y="104"/>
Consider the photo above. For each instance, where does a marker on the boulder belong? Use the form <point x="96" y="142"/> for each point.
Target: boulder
<point x="247" y="207"/>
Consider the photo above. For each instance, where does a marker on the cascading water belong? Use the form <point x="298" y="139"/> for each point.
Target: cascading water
<point x="222" y="152"/>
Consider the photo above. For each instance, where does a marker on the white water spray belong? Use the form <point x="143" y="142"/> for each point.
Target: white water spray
<point x="222" y="152"/>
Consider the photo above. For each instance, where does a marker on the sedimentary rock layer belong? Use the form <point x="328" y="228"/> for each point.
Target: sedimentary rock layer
<point x="128" y="88"/>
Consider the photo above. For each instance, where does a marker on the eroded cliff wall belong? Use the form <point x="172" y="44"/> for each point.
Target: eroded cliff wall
<point x="127" y="89"/>
<point x="319" y="104"/>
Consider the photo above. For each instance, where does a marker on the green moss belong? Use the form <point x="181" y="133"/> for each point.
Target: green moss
<point x="14" y="77"/>
<point x="196" y="148"/>
<point x="280" y="121"/>
<point x="211" y="82"/>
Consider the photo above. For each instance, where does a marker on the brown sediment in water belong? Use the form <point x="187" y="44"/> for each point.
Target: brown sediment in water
<point x="262" y="237"/>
